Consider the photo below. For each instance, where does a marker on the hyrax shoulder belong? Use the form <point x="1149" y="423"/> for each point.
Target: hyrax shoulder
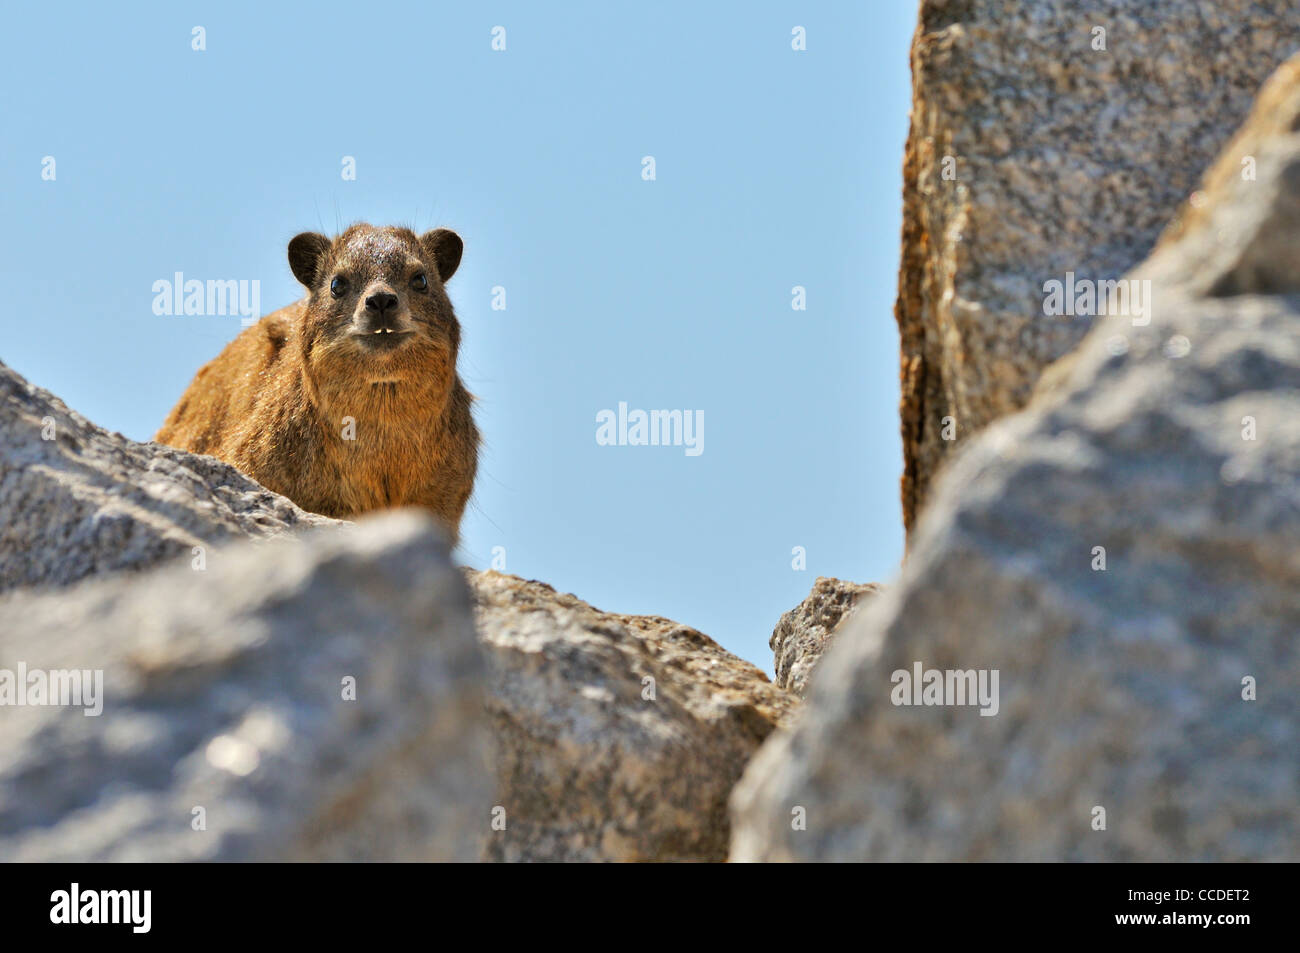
<point x="348" y="400"/>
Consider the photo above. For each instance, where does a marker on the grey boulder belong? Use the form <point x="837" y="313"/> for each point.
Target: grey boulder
<point x="77" y="501"/>
<point x="804" y="633"/>
<point x="1123" y="554"/>
<point x="618" y="738"/>
<point x="318" y="701"/>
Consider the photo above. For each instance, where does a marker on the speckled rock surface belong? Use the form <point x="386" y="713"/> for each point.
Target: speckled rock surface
<point x="618" y="738"/>
<point x="223" y="690"/>
<point x="1064" y="158"/>
<point x="76" y="500"/>
<point x="804" y="633"/>
<point x="1124" y="554"/>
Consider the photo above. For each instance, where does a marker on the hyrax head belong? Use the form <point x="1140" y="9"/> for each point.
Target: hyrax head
<point x="377" y="310"/>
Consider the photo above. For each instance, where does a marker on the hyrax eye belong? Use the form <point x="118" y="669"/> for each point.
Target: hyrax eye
<point x="420" y="283"/>
<point x="338" y="286"/>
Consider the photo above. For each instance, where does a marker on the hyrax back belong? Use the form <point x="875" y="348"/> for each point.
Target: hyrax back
<point x="347" y="401"/>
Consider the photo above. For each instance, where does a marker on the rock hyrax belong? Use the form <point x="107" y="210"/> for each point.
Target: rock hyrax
<point x="348" y="400"/>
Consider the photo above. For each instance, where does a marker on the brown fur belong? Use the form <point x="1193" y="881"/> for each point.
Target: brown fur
<point x="274" y="402"/>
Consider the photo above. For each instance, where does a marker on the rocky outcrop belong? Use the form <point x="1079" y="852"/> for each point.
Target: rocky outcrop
<point x="320" y="701"/>
<point x="1123" y="555"/>
<point x="804" y="633"/>
<point x="1047" y="139"/>
<point x="77" y="501"/>
<point x="618" y="738"/>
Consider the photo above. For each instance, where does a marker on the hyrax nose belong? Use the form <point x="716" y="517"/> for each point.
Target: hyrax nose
<point x="381" y="313"/>
<point x="381" y="302"/>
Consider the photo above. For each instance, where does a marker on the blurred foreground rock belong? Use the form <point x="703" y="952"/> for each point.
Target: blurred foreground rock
<point x="1048" y="138"/>
<point x="1124" y="555"/>
<point x="223" y="690"/>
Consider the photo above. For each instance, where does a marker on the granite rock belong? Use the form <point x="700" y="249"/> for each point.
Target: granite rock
<point x="804" y="633"/>
<point x="1122" y="553"/>
<point x="1035" y="153"/>
<point x="77" y="501"/>
<point x="224" y="732"/>
<point x="618" y="738"/>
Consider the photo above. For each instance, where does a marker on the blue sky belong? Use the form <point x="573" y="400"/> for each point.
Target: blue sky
<point x="774" y="168"/>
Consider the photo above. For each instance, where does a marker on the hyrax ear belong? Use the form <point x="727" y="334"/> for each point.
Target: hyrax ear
<point x="305" y="254"/>
<point x="445" y="246"/>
